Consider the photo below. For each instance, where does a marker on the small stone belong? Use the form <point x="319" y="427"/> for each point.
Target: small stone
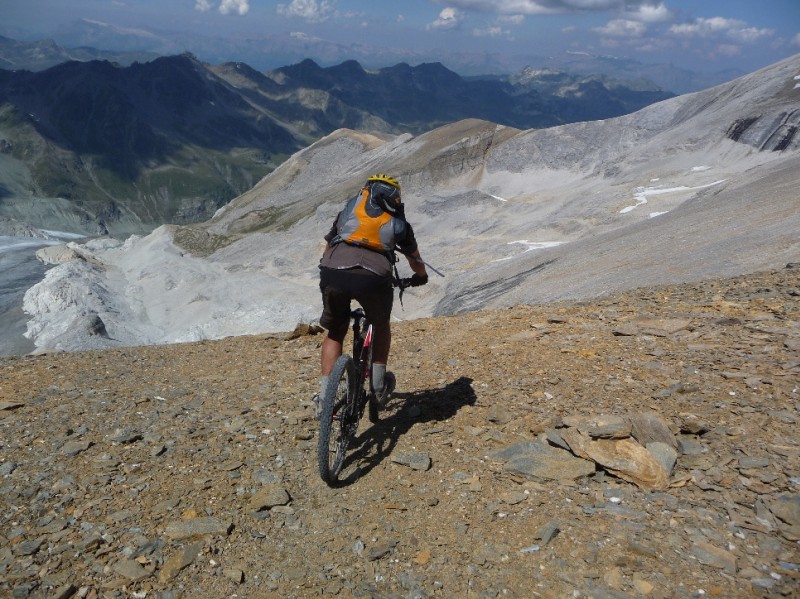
<point x="642" y="586"/>
<point x="380" y="551"/>
<point x="423" y="557"/>
<point x="412" y="459"/>
<point x="514" y="497"/>
<point x="179" y="561"/>
<point x="499" y="415"/>
<point x="198" y="527"/>
<point x="268" y="499"/>
<point x="233" y="574"/>
<point x="607" y="427"/>
<point x="130" y="569"/>
<point x="125" y="437"/>
<point x="7" y="468"/>
<point x="652" y="428"/>
<point x="267" y="477"/>
<point x="710" y="555"/>
<point x="30" y="547"/>
<point x="786" y="509"/>
<point x="547" y="532"/>
<point x="73" y="448"/>
<point x="65" y="591"/>
<point x="692" y="425"/>
<point x="688" y="445"/>
<point x="613" y="578"/>
<point x="748" y="463"/>
<point x="665" y="455"/>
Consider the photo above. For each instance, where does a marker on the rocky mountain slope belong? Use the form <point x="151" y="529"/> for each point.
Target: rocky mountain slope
<point x="189" y="470"/>
<point x="696" y="186"/>
<point x="126" y="149"/>
<point x="42" y="54"/>
<point x="417" y="99"/>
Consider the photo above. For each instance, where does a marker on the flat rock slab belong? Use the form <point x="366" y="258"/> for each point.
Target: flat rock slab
<point x="652" y="428"/>
<point x="198" y="527"/>
<point x="413" y="459"/>
<point x="786" y="508"/>
<point x="269" y="498"/>
<point x="181" y="559"/>
<point x="622" y="457"/>
<point x="131" y="569"/>
<point x="537" y="460"/>
<point x="73" y="448"/>
<point x="604" y="426"/>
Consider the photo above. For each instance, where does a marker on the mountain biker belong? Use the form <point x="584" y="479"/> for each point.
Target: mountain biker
<point x="357" y="265"/>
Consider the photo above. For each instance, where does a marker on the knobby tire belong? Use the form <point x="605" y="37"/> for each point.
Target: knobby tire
<point x="334" y="431"/>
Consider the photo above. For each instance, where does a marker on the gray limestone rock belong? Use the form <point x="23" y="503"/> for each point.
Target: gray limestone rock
<point x="537" y="460"/>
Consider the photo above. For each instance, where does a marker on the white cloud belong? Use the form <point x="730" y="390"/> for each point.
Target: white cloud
<point x="449" y="18"/>
<point x="491" y="31"/>
<point x="647" y="10"/>
<point x="226" y="7"/>
<point x="748" y="35"/>
<point x="238" y="7"/>
<point x="622" y="28"/>
<point x="511" y="19"/>
<point x="649" y="13"/>
<point x="796" y="40"/>
<point x="733" y="29"/>
<point x="706" y="27"/>
<point x="310" y="10"/>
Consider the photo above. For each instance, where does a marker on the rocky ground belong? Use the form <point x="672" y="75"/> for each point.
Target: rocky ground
<point x="190" y="470"/>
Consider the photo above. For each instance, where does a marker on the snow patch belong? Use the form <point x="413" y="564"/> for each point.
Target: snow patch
<point x="699" y="169"/>
<point x="530" y="246"/>
<point x="642" y="193"/>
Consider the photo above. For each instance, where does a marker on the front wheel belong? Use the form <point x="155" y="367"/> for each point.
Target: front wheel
<point x="334" y="429"/>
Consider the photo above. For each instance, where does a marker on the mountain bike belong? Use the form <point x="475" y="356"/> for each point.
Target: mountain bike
<point x="348" y="395"/>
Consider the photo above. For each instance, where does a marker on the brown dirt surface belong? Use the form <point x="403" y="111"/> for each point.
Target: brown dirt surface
<point x="190" y="470"/>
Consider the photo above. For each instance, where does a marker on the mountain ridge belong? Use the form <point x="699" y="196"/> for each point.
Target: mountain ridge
<point x="125" y="149"/>
<point x="270" y="52"/>
<point x="667" y="194"/>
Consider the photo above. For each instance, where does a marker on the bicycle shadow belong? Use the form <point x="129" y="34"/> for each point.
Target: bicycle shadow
<point x="404" y="411"/>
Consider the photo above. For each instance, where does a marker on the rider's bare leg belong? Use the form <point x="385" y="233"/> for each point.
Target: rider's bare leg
<point x="382" y="342"/>
<point x="332" y="349"/>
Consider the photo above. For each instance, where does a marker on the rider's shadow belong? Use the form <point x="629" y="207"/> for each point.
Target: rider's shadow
<point x="404" y="411"/>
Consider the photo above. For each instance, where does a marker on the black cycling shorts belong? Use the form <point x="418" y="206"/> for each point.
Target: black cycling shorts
<point x="339" y="287"/>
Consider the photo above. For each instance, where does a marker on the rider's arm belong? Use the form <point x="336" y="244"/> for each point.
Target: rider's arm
<point x="416" y="264"/>
<point x="408" y="247"/>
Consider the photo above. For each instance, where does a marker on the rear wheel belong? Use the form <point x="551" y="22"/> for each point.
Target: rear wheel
<point x="334" y="430"/>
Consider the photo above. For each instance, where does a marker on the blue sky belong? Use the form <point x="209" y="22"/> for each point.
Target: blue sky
<point x="698" y="34"/>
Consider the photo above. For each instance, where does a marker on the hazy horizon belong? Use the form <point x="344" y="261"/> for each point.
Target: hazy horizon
<point x="714" y="36"/>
